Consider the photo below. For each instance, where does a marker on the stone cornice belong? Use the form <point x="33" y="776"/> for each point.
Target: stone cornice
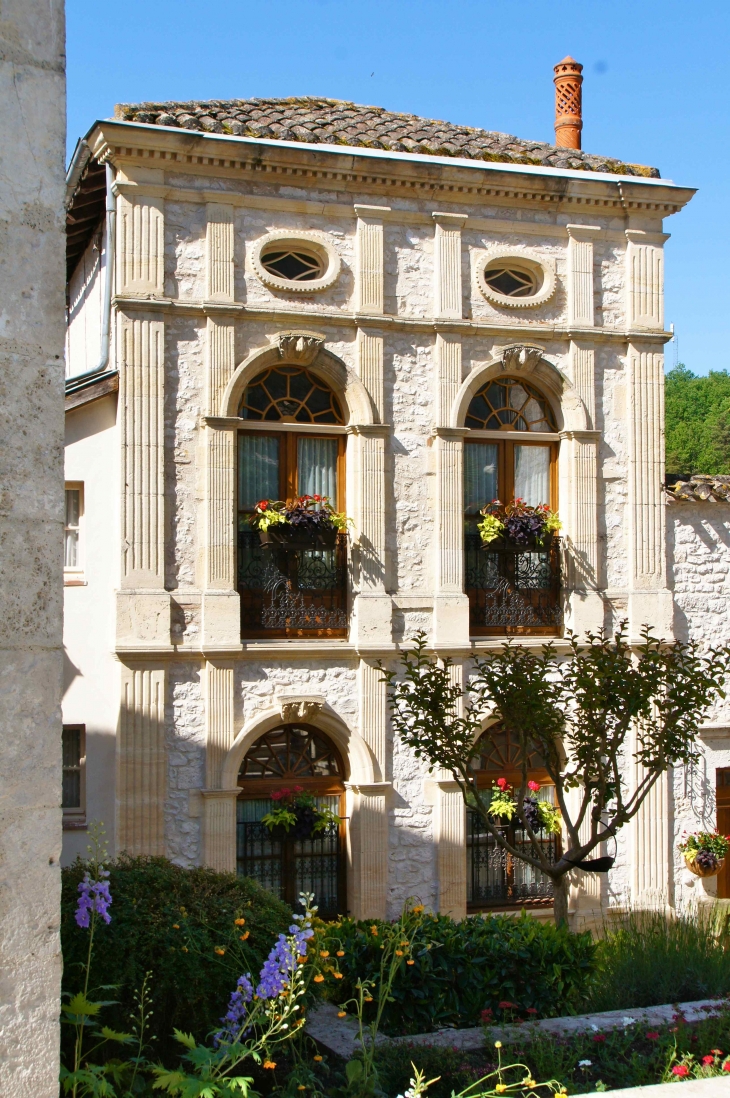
<point x="353" y="320"/>
<point x="379" y="170"/>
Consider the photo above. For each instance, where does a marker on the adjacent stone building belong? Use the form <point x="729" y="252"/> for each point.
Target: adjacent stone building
<point x="273" y="297"/>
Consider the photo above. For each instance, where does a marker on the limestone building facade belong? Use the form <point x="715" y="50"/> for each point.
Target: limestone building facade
<point x="273" y="297"/>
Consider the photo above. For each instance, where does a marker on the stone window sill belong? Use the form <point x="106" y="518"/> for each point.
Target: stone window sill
<point x="74" y="823"/>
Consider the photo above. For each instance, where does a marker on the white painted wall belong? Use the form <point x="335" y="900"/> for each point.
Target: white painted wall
<point x="91" y="677"/>
<point x="86" y="295"/>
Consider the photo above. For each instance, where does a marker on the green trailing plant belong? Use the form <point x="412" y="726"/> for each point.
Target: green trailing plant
<point x="457" y="973"/>
<point x="585" y="716"/>
<point x="541" y="814"/>
<point x="195" y="930"/>
<point x="297" y="811"/>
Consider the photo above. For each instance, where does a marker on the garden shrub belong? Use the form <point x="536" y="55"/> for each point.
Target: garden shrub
<point x="649" y="959"/>
<point x="170" y="921"/>
<point x="513" y="967"/>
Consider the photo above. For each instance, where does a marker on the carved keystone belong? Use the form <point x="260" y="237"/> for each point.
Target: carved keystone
<point x="299" y="707"/>
<point x="299" y="347"/>
<point x="521" y="358"/>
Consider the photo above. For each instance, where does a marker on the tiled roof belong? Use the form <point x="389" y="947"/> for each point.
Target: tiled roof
<point x="700" y="489"/>
<point x="336" y="122"/>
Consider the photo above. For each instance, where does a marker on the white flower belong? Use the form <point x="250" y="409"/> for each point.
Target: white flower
<point x="594" y="1028"/>
<point x="585" y="1063"/>
<point x="629" y="1021"/>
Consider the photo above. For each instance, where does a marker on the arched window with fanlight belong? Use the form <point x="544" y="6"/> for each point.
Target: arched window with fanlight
<point x="510" y="453"/>
<point x="293" y="757"/>
<point x="293" y="444"/>
<point x="496" y="879"/>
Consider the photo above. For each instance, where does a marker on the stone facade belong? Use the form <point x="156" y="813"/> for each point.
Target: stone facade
<point x="32" y="135"/>
<point x="403" y="327"/>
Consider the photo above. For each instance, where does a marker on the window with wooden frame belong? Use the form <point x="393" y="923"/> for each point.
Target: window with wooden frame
<point x="73" y="571"/>
<point x="293" y="757"/>
<point x="494" y="877"/>
<point x="293" y="445"/>
<point x="73" y="780"/>
<point x="511" y="452"/>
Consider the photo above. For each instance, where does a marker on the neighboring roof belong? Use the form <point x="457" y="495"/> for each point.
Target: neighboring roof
<point x="336" y="122"/>
<point x="88" y="387"/>
<point x="85" y="205"/>
<point x="699" y="489"/>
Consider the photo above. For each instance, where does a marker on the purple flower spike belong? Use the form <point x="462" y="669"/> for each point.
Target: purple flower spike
<point x="93" y="896"/>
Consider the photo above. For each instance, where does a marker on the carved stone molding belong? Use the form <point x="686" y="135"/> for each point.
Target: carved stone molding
<point x="299" y="347"/>
<point x="299" y="707"/>
<point x="521" y="358"/>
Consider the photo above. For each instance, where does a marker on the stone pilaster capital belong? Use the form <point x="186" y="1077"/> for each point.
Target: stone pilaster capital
<point x="435" y="787"/>
<point x="450" y="433"/>
<point x="370" y="789"/>
<point x="450" y="220"/>
<point x="580" y="436"/>
<point x="583" y="232"/>
<point x="369" y="430"/>
<point x="641" y="236"/>
<point x="371" y="213"/>
<point x="219" y="794"/>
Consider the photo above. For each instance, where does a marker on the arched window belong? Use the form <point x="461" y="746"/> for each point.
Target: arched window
<point x="510" y="453"/>
<point x="495" y="878"/>
<point x="290" y="756"/>
<point x="293" y="445"/>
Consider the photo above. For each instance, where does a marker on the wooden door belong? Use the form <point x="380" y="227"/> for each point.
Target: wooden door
<point x="723" y="826"/>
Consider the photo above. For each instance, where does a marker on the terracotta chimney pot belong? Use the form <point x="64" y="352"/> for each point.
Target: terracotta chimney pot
<point x="568" y="103"/>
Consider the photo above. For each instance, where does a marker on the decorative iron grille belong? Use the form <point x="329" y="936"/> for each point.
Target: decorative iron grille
<point x="498" y="879"/>
<point x="292" y="592"/>
<point x="512" y="589"/>
<point x="288" y="868"/>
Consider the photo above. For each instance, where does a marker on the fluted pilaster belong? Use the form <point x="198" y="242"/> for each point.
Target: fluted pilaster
<point x="580" y="275"/>
<point x="645" y="279"/>
<point x="141" y="762"/>
<point x="447" y="264"/>
<point x="370" y="355"/>
<point x="219" y="241"/>
<point x="140" y="246"/>
<point x="368" y="838"/>
<point x="370" y="282"/>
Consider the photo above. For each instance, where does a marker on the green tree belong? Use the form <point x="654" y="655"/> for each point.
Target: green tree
<point x="578" y="714"/>
<point x="697" y="418"/>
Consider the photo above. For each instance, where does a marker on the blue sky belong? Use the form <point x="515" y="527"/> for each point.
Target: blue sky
<point x="656" y="90"/>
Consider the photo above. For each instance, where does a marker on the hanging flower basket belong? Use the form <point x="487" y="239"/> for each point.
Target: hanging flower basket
<point x="309" y="522"/>
<point x="296" y="816"/>
<point x="704" y="852"/>
<point x="517" y="526"/>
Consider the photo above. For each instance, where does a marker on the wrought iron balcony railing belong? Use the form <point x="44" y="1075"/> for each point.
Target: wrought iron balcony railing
<point x="498" y="879"/>
<point x="510" y="589"/>
<point x="289" y="592"/>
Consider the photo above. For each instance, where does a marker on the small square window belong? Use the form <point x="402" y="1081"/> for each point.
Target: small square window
<point x="73" y="788"/>
<point x="72" y="547"/>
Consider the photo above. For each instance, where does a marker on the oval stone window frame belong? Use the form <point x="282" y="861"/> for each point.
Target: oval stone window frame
<point x="313" y="243"/>
<point x="542" y="270"/>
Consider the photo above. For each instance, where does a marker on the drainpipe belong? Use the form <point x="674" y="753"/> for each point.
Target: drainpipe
<point x="106" y="316"/>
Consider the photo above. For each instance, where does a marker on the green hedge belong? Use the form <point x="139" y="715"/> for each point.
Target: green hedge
<point x="464" y="968"/>
<point x="191" y="983"/>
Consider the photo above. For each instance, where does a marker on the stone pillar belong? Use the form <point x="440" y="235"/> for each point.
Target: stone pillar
<point x="585" y="892"/>
<point x="140" y="246"/>
<point x="580" y="519"/>
<point x="368" y="850"/>
<point x="219" y="829"/>
<point x="650" y="601"/>
<point x="143" y="605"/>
<point x="447" y="264"/>
<point x="221" y="611"/>
<point x="371" y="625"/>
<point x="645" y="279"/>
<point x="141" y="762"/>
<point x="583" y="362"/>
<point x="451" y="605"/>
<point x="370" y="356"/>
<point x="219" y="252"/>
<point x="580" y="275"/>
<point x="32" y="277"/>
<point x="449" y="837"/>
<point x="651" y="861"/>
<point x="373" y="711"/>
<point x="370" y="293"/>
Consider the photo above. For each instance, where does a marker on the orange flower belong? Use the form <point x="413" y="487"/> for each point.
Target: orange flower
<point x="219" y="951"/>
<point x="239" y="922"/>
<point x="301" y="1087"/>
<point x="374" y="931"/>
<point x="318" y="1059"/>
<point x="302" y="959"/>
<point x="243" y="937"/>
<point x="341" y="1013"/>
<point x="337" y="975"/>
<point x="417" y="910"/>
<point x="175" y="926"/>
<point x="410" y="962"/>
<point x="368" y="998"/>
<point x="324" y="953"/>
<point x="269" y="1064"/>
<point x="399" y="952"/>
<point x="318" y="978"/>
<point x="185" y="949"/>
<point x="340" y="953"/>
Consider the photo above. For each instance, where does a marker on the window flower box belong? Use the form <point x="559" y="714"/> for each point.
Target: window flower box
<point x="309" y="522"/>
<point x="705" y="852"/>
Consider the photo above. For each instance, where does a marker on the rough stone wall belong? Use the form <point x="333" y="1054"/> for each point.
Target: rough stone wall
<point x="185" y="743"/>
<point x="32" y="133"/>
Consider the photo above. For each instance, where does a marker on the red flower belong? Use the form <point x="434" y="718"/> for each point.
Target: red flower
<point x="502" y="783"/>
<point x="276" y="796"/>
<point x="681" y="1070"/>
<point x="599" y="1036"/>
<point x="708" y="1059"/>
<point x="534" y="786"/>
<point x="726" y="1066"/>
<point x="317" y="499"/>
<point x="286" y="792"/>
<point x="262" y="505"/>
<point x="487" y="1014"/>
<point x="653" y="1035"/>
<point x="505" y="1005"/>
<point x="532" y="1010"/>
<point x="298" y="788"/>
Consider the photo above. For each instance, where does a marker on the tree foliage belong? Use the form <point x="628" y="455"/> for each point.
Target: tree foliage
<point x="697" y="418"/>
<point x="585" y="716"/>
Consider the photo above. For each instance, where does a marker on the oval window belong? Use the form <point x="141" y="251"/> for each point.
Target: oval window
<point x="293" y="265"/>
<point x="510" y="281"/>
